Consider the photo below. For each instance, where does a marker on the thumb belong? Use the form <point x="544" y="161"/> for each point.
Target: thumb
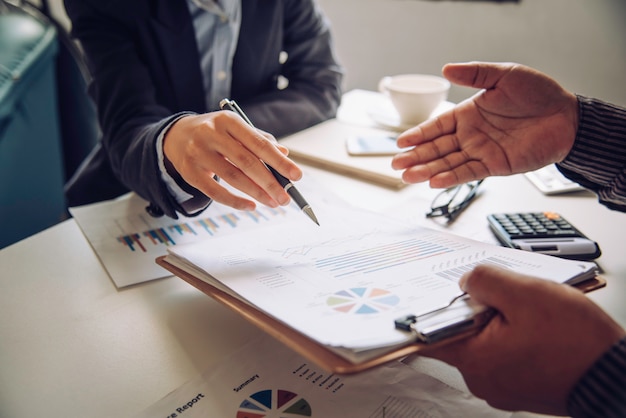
<point x="486" y="284"/>
<point x="480" y="75"/>
<point x="496" y="287"/>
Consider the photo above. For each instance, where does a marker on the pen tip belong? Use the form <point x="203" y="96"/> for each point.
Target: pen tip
<point x="310" y="214"/>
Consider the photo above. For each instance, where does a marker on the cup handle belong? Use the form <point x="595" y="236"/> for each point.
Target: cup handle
<point x="382" y="85"/>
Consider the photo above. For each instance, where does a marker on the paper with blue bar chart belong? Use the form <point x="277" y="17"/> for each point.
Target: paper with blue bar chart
<point x="127" y="239"/>
<point x="344" y="283"/>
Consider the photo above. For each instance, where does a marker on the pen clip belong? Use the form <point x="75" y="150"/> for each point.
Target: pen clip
<point x="232" y="105"/>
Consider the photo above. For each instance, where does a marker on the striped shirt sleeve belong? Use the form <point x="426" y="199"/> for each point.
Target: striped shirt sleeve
<point x="602" y="390"/>
<point x="597" y="160"/>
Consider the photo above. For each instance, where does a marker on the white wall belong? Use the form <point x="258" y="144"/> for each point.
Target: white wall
<point x="581" y="43"/>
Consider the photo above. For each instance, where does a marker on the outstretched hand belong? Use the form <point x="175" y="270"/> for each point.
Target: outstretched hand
<point x="520" y="121"/>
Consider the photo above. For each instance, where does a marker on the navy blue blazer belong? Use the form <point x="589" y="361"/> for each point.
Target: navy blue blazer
<point x="145" y="69"/>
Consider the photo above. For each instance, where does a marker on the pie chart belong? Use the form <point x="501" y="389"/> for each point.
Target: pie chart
<point x="274" y="404"/>
<point x="362" y="300"/>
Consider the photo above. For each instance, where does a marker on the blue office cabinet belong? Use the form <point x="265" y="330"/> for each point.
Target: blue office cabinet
<point x="31" y="165"/>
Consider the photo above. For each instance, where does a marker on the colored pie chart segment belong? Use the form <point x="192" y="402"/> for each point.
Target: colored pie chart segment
<point x="362" y="300"/>
<point x="274" y="404"/>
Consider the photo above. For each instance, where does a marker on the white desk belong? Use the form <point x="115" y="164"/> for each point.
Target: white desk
<point x="72" y="345"/>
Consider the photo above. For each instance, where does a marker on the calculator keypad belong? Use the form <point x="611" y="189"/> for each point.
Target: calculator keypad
<point x="535" y="225"/>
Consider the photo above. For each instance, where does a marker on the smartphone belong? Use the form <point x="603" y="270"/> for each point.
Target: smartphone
<point x="372" y="145"/>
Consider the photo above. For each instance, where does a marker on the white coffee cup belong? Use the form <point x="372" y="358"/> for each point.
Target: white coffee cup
<point x="415" y="96"/>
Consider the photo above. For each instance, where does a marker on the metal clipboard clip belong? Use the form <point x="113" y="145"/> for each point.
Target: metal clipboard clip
<point x="462" y="314"/>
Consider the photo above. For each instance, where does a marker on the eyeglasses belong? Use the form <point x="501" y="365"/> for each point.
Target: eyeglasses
<point x="451" y="202"/>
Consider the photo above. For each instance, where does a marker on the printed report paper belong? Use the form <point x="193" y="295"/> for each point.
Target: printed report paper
<point x="127" y="239"/>
<point x="344" y="283"/>
<point x="265" y="379"/>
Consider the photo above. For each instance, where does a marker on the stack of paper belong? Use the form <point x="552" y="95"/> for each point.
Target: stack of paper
<point x="344" y="283"/>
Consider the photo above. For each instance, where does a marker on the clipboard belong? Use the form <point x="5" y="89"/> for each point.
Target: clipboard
<point x="324" y="357"/>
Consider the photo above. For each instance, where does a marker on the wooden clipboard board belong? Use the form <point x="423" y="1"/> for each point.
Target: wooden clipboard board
<point x="308" y="347"/>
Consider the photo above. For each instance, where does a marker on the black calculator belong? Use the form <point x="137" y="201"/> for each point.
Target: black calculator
<point x="543" y="232"/>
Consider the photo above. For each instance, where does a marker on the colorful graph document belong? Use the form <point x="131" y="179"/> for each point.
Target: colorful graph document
<point x="265" y="379"/>
<point x="344" y="283"/>
<point x="127" y="239"/>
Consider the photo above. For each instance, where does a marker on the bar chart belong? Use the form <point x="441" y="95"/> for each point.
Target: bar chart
<point x="166" y="233"/>
<point x="128" y="240"/>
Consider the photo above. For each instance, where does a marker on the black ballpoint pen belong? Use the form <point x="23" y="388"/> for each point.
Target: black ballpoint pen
<point x="284" y="181"/>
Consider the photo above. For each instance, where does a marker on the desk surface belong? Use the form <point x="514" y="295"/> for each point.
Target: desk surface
<point x="71" y="344"/>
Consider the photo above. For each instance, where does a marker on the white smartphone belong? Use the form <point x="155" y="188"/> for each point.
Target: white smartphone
<point x="372" y="145"/>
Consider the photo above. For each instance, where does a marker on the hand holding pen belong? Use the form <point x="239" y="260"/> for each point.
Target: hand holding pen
<point x="285" y="182"/>
<point x="199" y="148"/>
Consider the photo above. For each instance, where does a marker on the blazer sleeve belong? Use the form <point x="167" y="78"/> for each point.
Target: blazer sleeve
<point x="302" y="34"/>
<point x="133" y="104"/>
